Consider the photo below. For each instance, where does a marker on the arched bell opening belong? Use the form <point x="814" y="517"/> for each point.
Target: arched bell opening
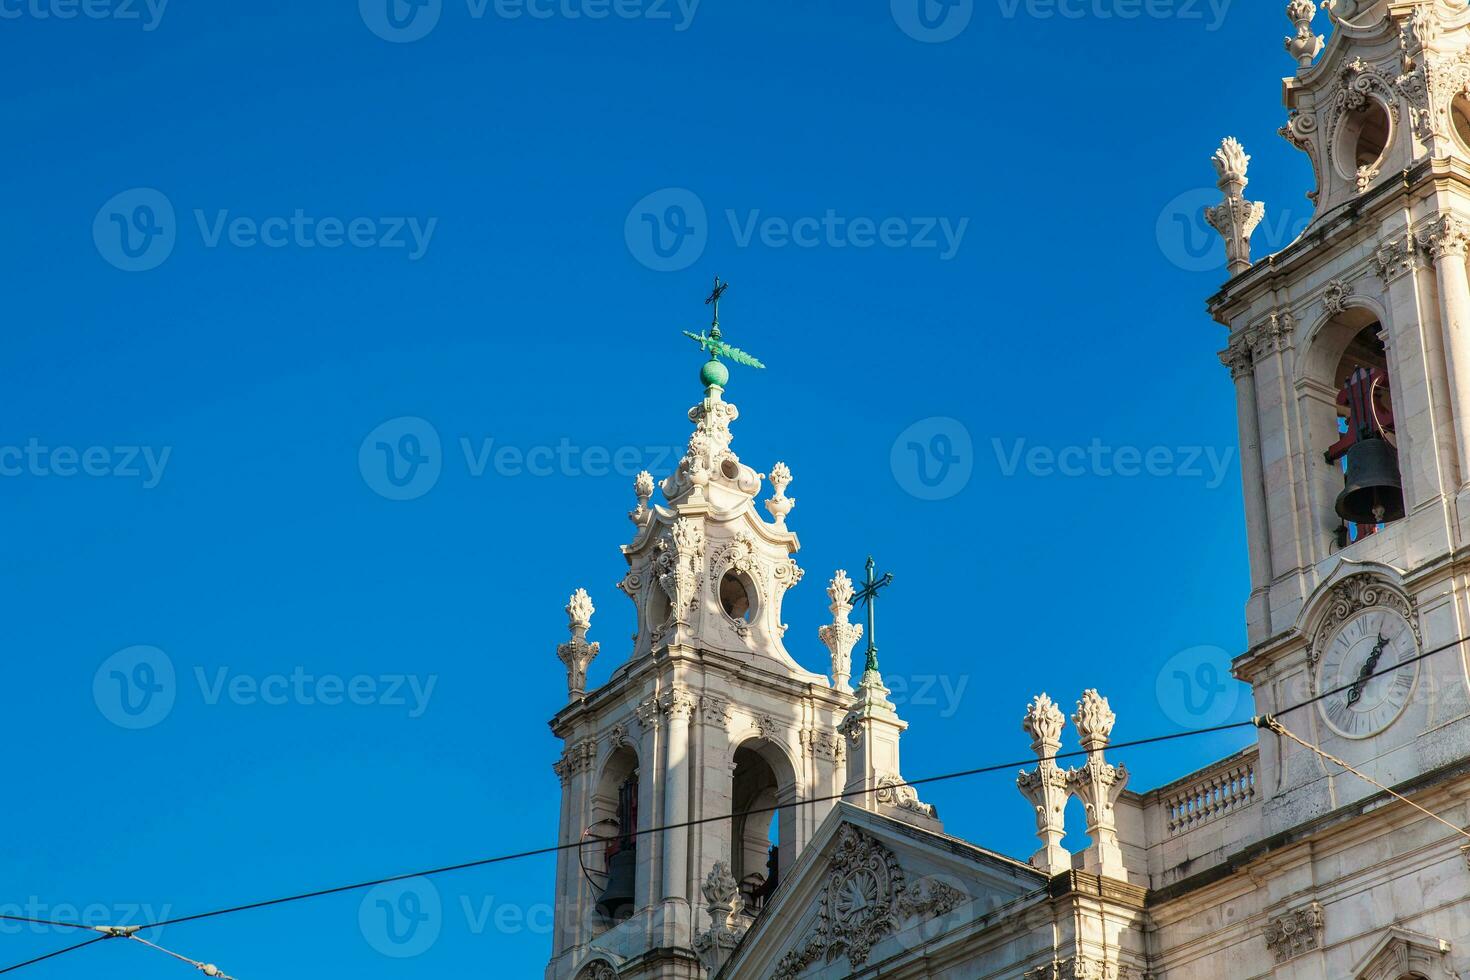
<point x="763" y="828"/>
<point x="1360" y="441"/>
<point x="610" y="858"/>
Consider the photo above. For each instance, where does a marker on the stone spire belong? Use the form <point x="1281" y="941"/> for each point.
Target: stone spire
<point x="841" y="636"/>
<point x="1235" y="218"/>
<point x="578" y="653"/>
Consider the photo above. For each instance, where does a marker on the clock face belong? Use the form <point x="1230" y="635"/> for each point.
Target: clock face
<point x="1362" y="657"/>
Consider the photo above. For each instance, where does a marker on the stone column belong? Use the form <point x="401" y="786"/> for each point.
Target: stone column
<point x="1240" y="360"/>
<point x="1447" y="240"/>
<point x="678" y="710"/>
<point x="1046" y="785"/>
<point x="1099" y="785"/>
<point x="648" y="885"/>
<point x="713" y="789"/>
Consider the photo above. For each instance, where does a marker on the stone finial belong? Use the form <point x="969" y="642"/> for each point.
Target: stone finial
<point x="1305" y="46"/>
<point x="780" y="505"/>
<point x="578" y="653"/>
<point x="1094" y="720"/>
<point x="841" y="636"/>
<point x="643" y="489"/>
<point x="1235" y="218"/>
<point x="1043" y="722"/>
<point x="716" y="943"/>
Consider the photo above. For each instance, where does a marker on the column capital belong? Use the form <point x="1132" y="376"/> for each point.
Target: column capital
<point x="1445" y="234"/>
<point x="1238" y="358"/>
<point x="1397" y="258"/>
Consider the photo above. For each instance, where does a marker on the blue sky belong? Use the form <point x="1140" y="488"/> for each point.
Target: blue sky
<point x="240" y="239"/>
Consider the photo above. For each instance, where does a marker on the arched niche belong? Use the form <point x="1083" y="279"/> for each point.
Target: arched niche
<point x="613" y="820"/>
<point x="763" y="828"/>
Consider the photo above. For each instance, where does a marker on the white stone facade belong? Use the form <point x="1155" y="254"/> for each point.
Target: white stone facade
<point x="1274" y="862"/>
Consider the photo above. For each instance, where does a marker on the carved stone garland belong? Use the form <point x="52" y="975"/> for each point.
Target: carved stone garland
<point x="866" y="898"/>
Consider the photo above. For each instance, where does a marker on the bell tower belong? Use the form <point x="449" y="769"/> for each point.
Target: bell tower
<point x="683" y="776"/>
<point x="1350" y="355"/>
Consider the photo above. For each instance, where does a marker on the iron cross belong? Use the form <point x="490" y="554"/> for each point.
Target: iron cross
<point x="714" y="300"/>
<point x="869" y="594"/>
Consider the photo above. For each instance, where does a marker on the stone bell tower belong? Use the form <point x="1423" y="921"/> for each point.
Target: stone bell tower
<point x="711" y="731"/>
<point x="1350" y="354"/>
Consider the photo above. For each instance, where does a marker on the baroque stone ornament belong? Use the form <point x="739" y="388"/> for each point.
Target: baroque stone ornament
<point x="1445" y="235"/>
<point x="1294" y="933"/>
<point x="1353" y="594"/>
<point x="719" y="940"/>
<point x="1236" y="218"/>
<point x="598" y="970"/>
<point x="780" y="505"/>
<point x="679" y="563"/>
<point x="866" y="898"/>
<point x="578" y="653"/>
<point x="579" y="757"/>
<point x="1334" y="297"/>
<point x="840" y="636"/>
<point x="1306" y="45"/>
<point x="643" y="490"/>
<point x="894" y="792"/>
<point x="1099" y="785"/>
<point x="1396" y="258"/>
<point x="1045" y="787"/>
<point x="1080" y="968"/>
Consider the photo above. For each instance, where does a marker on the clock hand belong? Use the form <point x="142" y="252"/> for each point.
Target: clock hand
<point x="1369" y="666"/>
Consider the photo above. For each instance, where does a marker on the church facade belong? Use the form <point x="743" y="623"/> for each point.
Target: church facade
<point x="1333" y="848"/>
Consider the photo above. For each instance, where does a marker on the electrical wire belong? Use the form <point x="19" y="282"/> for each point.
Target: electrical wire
<point x="59" y="952"/>
<point x="648" y="831"/>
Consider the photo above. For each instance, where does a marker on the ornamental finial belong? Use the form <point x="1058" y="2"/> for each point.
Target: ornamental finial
<point x="643" y="490"/>
<point x="840" y="636"/>
<point x="714" y="374"/>
<point x="1235" y="218"/>
<point x="779" y="504"/>
<point x="578" y="653"/>
<point x="1094" y="720"/>
<point x="1305" y="46"/>
<point x="1043" y="722"/>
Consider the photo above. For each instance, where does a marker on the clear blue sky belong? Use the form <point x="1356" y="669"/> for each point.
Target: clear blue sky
<point x="1066" y="156"/>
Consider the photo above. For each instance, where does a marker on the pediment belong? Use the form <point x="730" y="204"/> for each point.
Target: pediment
<point x="1401" y="953"/>
<point x="869" y="889"/>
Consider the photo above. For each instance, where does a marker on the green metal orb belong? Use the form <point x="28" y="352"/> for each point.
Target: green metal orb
<point x="714" y="373"/>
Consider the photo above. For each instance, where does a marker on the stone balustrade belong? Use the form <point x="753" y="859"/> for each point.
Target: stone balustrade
<point x="1226" y="787"/>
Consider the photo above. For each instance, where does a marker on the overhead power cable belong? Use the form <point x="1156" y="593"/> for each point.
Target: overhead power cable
<point x="928" y="780"/>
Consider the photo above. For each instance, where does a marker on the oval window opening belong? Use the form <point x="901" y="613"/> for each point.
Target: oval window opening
<point x="1460" y="116"/>
<point x="1362" y="142"/>
<point x="1372" y="136"/>
<point x="735" y="596"/>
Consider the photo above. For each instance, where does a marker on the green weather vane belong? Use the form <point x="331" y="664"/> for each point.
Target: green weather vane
<point x="713" y="372"/>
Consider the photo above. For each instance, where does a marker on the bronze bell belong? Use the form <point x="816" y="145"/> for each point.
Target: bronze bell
<point x="1373" y="491"/>
<point x="617" y="898"/>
